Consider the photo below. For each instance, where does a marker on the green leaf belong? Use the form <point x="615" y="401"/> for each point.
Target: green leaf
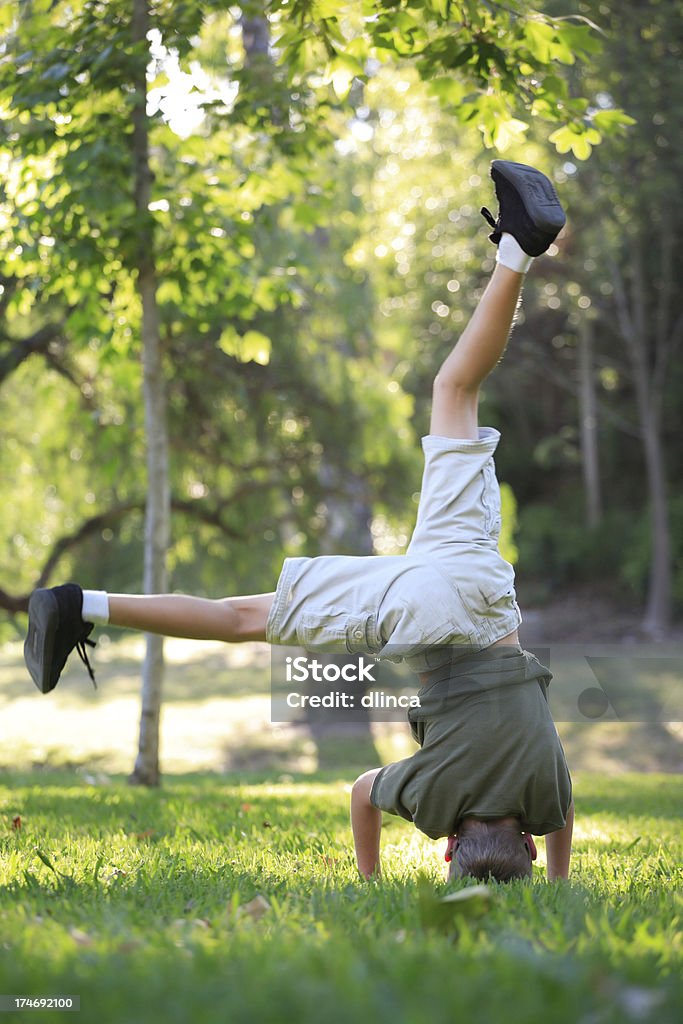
<point x="441" y="7"/>
<point x="508" y="132"/>
<point x="256" y="348"/>
<point x="562" y="139"/>
<point x="169" y="291"/>
<point x="448" y="90"/>
<point x="444" y="913"/>
<point x="327" y="9"/>
<point x="552" y="87"/>
<point x="610" y="121"/>
<point x="581" y="147"/>
<point x="252" y="347"/>
<point x="580" y="39"/>
<point x="539" y="38"/>
<point x="341" y="76"/>
<point x="573" y="139"/>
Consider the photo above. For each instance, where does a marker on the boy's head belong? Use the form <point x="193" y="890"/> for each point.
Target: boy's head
<point x="491" y="849"/>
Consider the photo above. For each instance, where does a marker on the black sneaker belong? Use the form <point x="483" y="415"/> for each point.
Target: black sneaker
<point x="55" y="627"/>
<point x="528" y="207"/>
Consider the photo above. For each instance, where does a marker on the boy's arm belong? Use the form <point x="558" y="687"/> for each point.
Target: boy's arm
<point x="558" y="848"/>
<point x="366" y="823"/>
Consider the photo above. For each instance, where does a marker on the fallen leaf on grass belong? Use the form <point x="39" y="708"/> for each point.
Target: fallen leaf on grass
<point x="82" y="938"/>
<point x="475" y="896"/>
<point x="255" y="909"/>
<point x="445" y="912"/>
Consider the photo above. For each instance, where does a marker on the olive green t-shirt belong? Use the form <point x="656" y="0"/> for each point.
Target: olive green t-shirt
<point x="488" y="749"/>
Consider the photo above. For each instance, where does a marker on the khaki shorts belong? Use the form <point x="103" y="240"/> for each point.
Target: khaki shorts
<point x="451" y="588"/>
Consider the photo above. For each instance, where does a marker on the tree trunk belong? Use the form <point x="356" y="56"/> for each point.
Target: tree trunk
<point x="658" y="610"/>
<point x="157" y="515"/>
<point x="588" y="413"/>
<point x="255" y="37"/>
<point x="633" y="324"/>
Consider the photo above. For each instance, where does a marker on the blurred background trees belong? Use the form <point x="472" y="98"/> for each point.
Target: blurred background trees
<point x="315" y="174"/>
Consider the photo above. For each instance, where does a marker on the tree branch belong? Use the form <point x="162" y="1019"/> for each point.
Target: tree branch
<point x="19" y="351"/>
<point x="14" y="603"/>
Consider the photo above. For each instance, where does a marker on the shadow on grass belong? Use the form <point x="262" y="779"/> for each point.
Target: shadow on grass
<point x="347" y="750"/>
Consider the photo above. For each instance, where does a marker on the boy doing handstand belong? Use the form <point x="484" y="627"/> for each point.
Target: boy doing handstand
<point x="490" y="771"/>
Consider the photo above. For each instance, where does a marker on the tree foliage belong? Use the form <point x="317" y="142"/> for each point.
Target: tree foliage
<point x="495" y="66"/>
<point x="314" y="250"/>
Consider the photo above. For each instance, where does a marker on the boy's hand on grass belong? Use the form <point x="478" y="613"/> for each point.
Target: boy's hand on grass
<point x="558" y="849"/>
<point x="366" y="823"/>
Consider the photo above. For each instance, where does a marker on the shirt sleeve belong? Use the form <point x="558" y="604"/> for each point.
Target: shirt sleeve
<point x="387" y="789"/>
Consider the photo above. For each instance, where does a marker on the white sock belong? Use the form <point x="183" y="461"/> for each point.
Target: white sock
<point x="510" y="254"/>
<point x="95" y="607"/>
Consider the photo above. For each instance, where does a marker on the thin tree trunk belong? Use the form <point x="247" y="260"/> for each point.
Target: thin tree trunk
<point x="588" y="413"/>
<point x="255" y="37"/>
<point x="658" y="609"/>
<point x="157" y="515"/>
<point x="633" y="325"/>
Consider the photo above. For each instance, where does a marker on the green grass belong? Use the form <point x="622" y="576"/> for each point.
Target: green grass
<point x="141" y="903"/>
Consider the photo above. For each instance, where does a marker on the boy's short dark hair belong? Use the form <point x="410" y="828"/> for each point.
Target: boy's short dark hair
<point x="501" y="854"/>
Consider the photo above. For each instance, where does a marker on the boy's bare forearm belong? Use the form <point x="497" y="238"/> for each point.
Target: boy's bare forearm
<point x="366" y="823"/>
<point x="558" y="847"/>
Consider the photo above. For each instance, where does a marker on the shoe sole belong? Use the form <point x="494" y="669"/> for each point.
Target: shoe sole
<point x="537" y="194"/>
<point x="43" y="620"/>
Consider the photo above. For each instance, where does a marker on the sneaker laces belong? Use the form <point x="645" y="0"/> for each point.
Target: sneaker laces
<point x="83" y="655"/>
<point x="488" y="216"/>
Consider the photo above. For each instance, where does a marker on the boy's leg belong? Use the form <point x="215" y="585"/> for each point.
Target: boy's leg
<point x="530" y="218"/>
<point x="231" y="619"/>
<point x="456" y="387"/>
<point x="60" y="619"/>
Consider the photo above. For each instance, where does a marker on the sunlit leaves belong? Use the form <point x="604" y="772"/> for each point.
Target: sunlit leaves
<point x="502" y="57"/>
<point x="341" y="72"/>
<point x="609" y="120"/>
<point x="252" y="346"/>
<point x="578" y="142"/>
<point x="539" y="37"/>
<point x="580" y="37"/>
